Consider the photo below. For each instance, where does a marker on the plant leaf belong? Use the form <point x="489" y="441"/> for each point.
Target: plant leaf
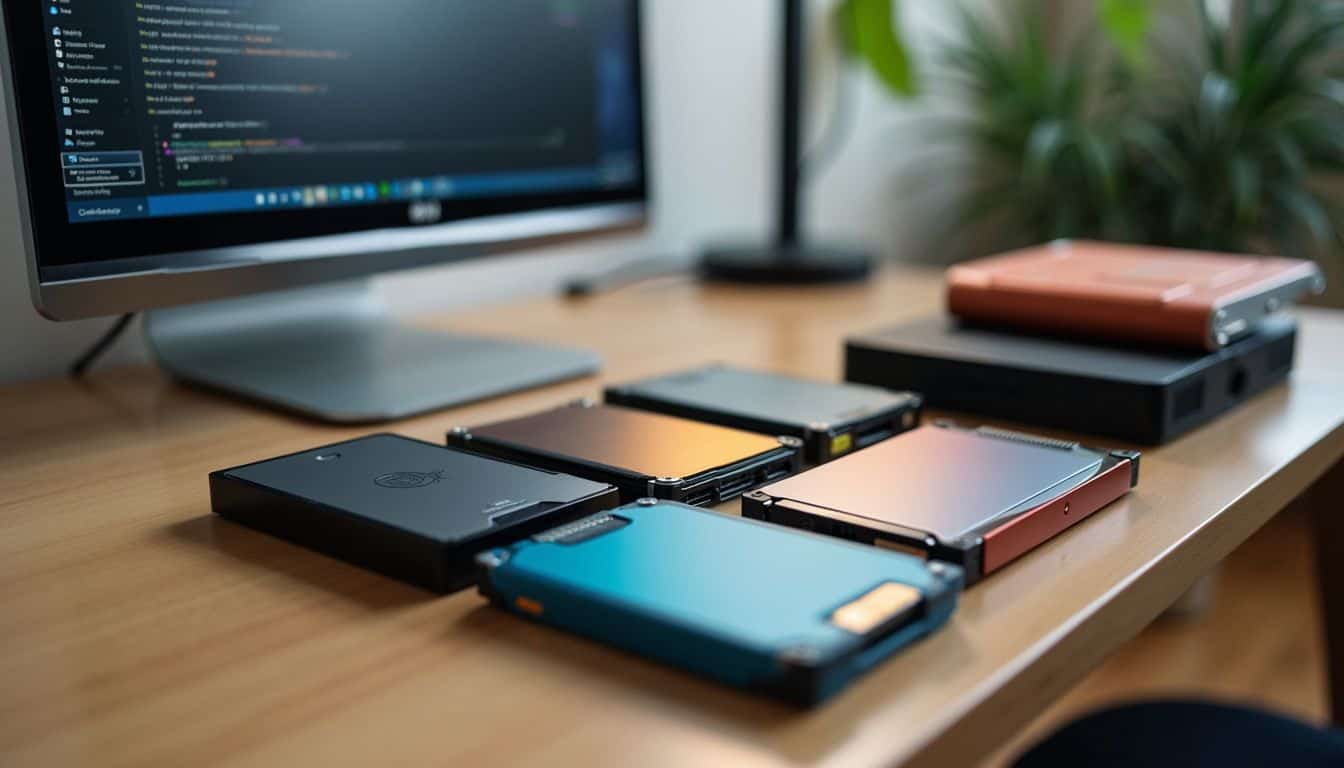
<point x="1127" y="22"/>
<point x="1289" y="155"/>
<point x="1213" y="37"/>
<point x="1262" y="28"/>
<point x="1156" y="150"/>
<point x="1218" y="96"/>
<point x="1102" y="170"/>
<point x="1245" y="176"/>
<point x="873" y="29"/>
<point x="1303" y="208"/>
<point x="1048" y="139"/>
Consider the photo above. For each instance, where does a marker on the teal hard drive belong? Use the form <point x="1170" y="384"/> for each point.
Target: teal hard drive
<point x="773" y="610"/>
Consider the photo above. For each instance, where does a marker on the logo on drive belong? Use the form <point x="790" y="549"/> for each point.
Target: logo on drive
<point x="408" y="479"/>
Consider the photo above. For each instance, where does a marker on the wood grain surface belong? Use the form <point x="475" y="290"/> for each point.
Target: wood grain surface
<point x="138" y="629"/>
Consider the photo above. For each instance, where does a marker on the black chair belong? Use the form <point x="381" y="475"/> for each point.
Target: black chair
<point x="1188" y="734"/>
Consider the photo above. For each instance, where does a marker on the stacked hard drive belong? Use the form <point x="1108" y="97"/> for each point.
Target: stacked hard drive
<point x="1129" y="343"/>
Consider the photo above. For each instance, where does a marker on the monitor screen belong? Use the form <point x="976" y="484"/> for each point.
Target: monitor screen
<point x="155" y="128"/>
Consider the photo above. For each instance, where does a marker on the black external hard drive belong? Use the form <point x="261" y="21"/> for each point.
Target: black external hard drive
<point x="646" y="455"/>
<point x="831" y="419"/>
<point x="408" y="509"/>
<point x="1140" y="395"/>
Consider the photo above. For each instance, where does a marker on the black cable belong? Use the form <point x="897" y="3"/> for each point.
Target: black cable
<point x="82" y="364"/>
<point x="623" y="275"/>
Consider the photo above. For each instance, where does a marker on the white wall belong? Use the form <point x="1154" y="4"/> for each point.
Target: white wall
<point x="712" y="94"/>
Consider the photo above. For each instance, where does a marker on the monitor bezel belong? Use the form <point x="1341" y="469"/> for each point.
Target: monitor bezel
<point x="282" y="249"/>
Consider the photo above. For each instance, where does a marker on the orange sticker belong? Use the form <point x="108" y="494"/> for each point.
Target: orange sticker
<point x="528" y="605"/>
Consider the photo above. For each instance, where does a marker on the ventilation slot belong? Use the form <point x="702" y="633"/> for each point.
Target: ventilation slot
<point x="1019" y="437"/>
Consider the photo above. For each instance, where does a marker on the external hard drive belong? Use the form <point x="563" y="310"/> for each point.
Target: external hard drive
<point x="978" y="498"/>
<point x="756" y="606"/>
<point x="408" y="509"/>
<point x="1133" y="394"/>
<point x="642" y="454"/>
<point x="1129" y="293"/>
<point x="831" y="419"/>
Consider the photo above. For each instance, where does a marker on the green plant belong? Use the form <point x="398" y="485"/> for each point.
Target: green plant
<point x="1044" y="133"/>
<point x="875" y="32"/>
<point x="1223" y="149"/>
<point x="1236" y="153"/>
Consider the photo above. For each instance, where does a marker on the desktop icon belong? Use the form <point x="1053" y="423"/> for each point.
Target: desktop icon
<point x="67" y="112"/>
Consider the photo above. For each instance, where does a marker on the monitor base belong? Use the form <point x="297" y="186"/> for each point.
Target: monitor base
<point x="790" y="264"/>
<point x="332" y="353"/>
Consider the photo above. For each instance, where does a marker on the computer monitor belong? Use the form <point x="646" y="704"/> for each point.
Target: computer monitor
<point x="176" y="154"/>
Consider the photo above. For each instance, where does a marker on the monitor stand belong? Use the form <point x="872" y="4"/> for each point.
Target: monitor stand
<point x="333" y="353"/>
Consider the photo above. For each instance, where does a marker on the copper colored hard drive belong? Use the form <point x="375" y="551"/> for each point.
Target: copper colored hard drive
<point x="979" y="498"/>
<point x="1129" y="293"/>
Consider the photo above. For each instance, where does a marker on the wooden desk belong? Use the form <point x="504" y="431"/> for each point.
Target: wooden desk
<point x="139" y="629"/>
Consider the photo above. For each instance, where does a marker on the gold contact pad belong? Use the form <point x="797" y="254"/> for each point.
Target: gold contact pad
<point x="841" y="444"/>
<point x="886" y="603"/>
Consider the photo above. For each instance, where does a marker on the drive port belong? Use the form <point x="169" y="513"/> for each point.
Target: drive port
<point x="700" y="498"/>
<point x="733" y="487"/>
<point x="1236" y="383"/>
<point x="772" y="473"/>
<point x="874" y="435"/>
